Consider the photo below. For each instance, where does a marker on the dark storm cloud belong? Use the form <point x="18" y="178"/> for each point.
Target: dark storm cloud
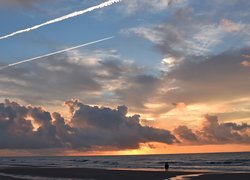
<point x="17" y="131"/>
<point x="214" y="132"/>
<point x="112" y="127"/>
<point x="27" y="127"/>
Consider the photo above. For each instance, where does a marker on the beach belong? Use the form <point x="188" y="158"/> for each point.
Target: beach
<point x="137" y="167"/>
<point x="108" y="174"/>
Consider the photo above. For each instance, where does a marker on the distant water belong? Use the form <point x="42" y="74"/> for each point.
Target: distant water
<point x="233" y="162"/>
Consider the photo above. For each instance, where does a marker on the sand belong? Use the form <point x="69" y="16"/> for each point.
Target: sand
<point x="104" y="174"/>
<point x="221" y="176"/>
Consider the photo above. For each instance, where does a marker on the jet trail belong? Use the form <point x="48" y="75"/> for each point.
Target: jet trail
<point x="71" y="15"/>
<point x="57" y="52"/>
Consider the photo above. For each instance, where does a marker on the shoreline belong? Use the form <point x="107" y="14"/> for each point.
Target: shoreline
<point x="89" y="173"/>
<point x="18" y="173"/>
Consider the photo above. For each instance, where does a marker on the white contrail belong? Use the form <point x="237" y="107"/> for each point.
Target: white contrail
<point x="53" y="53"/>
<point x="71" y="15"/>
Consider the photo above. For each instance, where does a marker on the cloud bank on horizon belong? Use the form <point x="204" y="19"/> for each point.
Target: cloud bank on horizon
<point x="92" y="127"/>
<point x="89" y="127"/>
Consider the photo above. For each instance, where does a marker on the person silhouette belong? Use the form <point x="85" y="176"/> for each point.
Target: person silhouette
<point x="166" y="166"/>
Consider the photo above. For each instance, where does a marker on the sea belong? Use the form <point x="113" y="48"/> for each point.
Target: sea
<point x="225" y="162"/>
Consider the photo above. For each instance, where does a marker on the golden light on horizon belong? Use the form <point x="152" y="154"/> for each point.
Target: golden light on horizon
<point x="159" y="148"/>
<point x="145" y="149"/>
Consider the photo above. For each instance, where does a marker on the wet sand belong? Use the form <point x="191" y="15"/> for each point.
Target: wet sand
<point x="104" y="174"/>
<point x="220" y="176"/>
<point x="7" y="178"/>
<point x="98" y="174"/>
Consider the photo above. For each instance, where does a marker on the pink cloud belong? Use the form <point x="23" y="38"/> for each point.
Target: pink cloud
<point x="230" y="26"/>
<point x="245" y="63"/>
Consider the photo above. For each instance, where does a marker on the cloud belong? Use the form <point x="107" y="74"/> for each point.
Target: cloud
<point x="132" y="6"/>
<point x="23" y="3"/>
<point x="213" y="132"/>
<point x="28" y="127"/>
<point x="92" y="127"/>
<point x="188" y="37"/>
<point x="99" y="77"/>
<point x="168" y="38"/>
<point x="188" y="32"/>
<point x="55" y="53"/>
<point x="245" y="63"/>
<point x="231" y="26"/>
<point x="185" y="134"/>
<point x="17" y="130"/>
<point x="218" y="81"/>
<point x="112" y="127"/>
<point x="63" y="77"/>
<point x="184" y="40"/>
<point x="180" y="106"/>
<point x="104" y="77"/>
<point x="138" y="90"/>
<point x="217" y="78"/>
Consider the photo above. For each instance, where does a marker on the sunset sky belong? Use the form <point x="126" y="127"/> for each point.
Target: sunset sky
<point x="174" y="79"/>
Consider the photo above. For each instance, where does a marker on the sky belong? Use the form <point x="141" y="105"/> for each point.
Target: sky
<point x="174" y="79"/>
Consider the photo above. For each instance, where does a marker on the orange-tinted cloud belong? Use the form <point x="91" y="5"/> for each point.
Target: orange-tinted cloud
<point x="103" y="129"/>
<point x="180" y="106"/>
<point x="88" y="128"/>
<point x="245" y="63"/>
<point x="214" y="132"/>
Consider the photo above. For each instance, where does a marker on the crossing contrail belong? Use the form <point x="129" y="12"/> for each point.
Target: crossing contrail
<point x="53" y="53"/>
<point x="71" y="15"/>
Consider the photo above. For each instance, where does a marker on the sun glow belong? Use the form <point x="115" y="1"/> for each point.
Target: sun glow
<point x="34" y="123"/>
